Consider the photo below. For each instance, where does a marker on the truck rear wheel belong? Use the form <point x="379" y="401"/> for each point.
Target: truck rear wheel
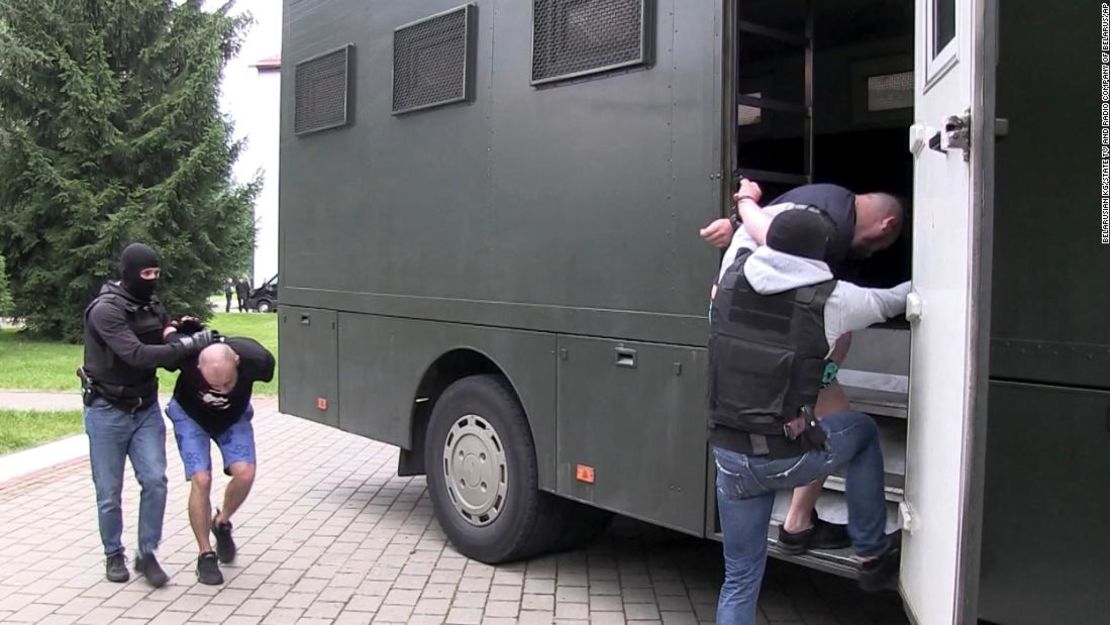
<point x="482" y="473"/>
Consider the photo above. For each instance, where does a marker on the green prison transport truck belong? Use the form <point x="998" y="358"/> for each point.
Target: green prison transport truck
<point x="490" y="258"/>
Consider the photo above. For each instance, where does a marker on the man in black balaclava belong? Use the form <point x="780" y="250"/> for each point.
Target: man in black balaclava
<point x="125" y="342"/>
<point x="776" y="317"/>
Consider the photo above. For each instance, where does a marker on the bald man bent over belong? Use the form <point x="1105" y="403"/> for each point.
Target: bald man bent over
<point x="211" y="401"/>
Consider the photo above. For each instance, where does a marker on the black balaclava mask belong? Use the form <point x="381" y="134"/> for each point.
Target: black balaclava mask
<point x="801" y="232"/>
<point x="134" y="259"/>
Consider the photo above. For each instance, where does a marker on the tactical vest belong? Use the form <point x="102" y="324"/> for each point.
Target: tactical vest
<point x="767" y="355"/>
<point x="115" y="380"/>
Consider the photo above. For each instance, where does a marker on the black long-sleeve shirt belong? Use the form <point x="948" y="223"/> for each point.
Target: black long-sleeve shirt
<point x="214" y="411"/>
<point x="124" y="346"/>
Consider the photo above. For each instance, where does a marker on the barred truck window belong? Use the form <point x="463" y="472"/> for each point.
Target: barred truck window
<point x="433" y="60"/>
<point x="322" y="95"/>
<point x="572" y="38"/>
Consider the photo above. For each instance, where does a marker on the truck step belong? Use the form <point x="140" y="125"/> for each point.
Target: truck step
<point x="840" y="562"/>
<point x="876" y="402"/>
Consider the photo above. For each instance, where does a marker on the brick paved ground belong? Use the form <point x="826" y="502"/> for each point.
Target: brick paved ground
<point x="332" y="535"/>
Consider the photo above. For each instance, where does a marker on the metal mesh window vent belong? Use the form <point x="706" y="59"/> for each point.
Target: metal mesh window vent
<point x="578" y="37"/>
<point x="321" y="85"/>
<point x="433" y="60"/>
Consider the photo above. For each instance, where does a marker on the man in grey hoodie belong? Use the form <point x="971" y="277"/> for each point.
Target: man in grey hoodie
<point x="864" y="224"/>
<point x="775" y="322"/>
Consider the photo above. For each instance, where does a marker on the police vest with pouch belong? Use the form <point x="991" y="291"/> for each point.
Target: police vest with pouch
<point x="115" y="380"/>
<point x="767" y="356"/>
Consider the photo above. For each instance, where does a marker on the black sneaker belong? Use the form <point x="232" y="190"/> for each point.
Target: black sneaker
<point x="879" y="573"/>
<point x="147" y="566"/>
<point x="225" y="544"/>
<point x="208" y="569"/>
<point x="116" y="569"/>
<point x="823" y="535"/>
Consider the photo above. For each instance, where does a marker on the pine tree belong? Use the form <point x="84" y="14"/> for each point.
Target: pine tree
<point x="110" y="132"/>
<point x="5" y="295"/>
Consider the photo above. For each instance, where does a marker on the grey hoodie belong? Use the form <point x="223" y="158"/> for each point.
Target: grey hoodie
<point x="849" y="307"/>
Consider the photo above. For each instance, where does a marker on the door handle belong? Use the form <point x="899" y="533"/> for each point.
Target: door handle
<point x="915" y="307"/>
<point x="626" y="357"/>
<point x="306" y="320"/>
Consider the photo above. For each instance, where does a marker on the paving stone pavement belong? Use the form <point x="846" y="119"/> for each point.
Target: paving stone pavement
<point x="331" y="534"/>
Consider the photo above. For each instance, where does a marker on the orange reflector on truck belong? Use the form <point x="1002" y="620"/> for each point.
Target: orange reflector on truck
<point x="584" y="474"/>
<point x="322" y="403"/>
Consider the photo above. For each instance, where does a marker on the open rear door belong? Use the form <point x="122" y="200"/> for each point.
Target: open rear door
<point x="949" y="308"/>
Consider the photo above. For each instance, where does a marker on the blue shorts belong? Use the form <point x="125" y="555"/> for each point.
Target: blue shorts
<point x="236" y="443"/>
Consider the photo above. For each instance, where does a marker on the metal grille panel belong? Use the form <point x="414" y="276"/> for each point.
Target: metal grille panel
<point x="431" y="59"/>
<point x="321" y="92"/>
<point x="577" y="37"/>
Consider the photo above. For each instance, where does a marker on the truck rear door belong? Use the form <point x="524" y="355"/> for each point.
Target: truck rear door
<point x="952" y="143"/>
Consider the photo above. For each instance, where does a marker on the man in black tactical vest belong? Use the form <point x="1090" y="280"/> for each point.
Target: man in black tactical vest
<point x="865" y="224"/>
<point x="125" y="332"/>
<point x="777" y="312"/>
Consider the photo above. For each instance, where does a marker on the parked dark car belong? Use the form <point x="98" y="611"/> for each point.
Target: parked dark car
<point x="265" y="297"/>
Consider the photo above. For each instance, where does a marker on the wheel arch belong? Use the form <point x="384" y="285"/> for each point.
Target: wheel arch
<point x="452" y="365"/>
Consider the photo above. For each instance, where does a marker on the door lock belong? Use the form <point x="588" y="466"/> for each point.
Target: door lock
<point x="957" y="133"/>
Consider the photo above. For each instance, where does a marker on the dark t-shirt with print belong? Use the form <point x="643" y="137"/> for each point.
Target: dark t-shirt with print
<point x="213" y="411"/>
<point x="840" y="204"/>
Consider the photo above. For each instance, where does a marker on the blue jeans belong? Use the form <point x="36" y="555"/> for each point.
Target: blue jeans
<point x="746" y="488"/>
<point x="115" y="435"/>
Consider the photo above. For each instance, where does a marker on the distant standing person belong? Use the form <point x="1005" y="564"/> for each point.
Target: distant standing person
<point x="229" y="286"/>
<point x="243" y="293"/>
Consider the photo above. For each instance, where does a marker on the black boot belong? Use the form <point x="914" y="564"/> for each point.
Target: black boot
<point x="147" y="566"/>
<point x="881" y="572"/>
<point x="225" y="544"/>
<point x="208" y="570"/>
<point x="116" y="569"/>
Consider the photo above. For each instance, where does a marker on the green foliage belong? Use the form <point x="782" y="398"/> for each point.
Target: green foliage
<point x="5" y="293"/>
<point x="110" y="132"/>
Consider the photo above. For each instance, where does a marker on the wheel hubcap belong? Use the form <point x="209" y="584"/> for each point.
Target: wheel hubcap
<point x="475" y="470"/>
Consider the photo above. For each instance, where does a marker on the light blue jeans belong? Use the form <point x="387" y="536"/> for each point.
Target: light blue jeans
<point x="115" y="435"/>
<point x="746" y="488"/>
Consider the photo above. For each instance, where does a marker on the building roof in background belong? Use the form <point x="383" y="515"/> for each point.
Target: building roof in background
<point x="268" y="64"/>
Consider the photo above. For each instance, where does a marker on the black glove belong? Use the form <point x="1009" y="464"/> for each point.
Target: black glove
<point x="192" y="344"/>
<point x="188" y="325"/>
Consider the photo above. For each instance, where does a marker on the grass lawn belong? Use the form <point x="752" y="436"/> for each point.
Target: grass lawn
<point x="32" y="365"/>
<point x="27" y="428"/>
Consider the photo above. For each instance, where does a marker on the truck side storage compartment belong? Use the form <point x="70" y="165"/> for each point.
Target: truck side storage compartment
<point x="308" y="371"/>
<point x="1046" y="505"/>
<point x="639" y="446"/>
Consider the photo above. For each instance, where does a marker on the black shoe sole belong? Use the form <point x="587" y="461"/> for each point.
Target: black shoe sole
<point x="812" y="540"/>
<point x="118" y="579"/>
<point x="885" y="575"/>
<point x="157" y="580"/>
<point x="224" y="553"/>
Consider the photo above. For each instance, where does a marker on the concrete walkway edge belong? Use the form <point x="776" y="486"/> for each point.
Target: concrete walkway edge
<point x="27" y="461"/>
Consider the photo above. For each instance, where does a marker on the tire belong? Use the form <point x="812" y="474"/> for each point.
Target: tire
<point x="264" y="306"/>
<point x="482" y="475"/>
